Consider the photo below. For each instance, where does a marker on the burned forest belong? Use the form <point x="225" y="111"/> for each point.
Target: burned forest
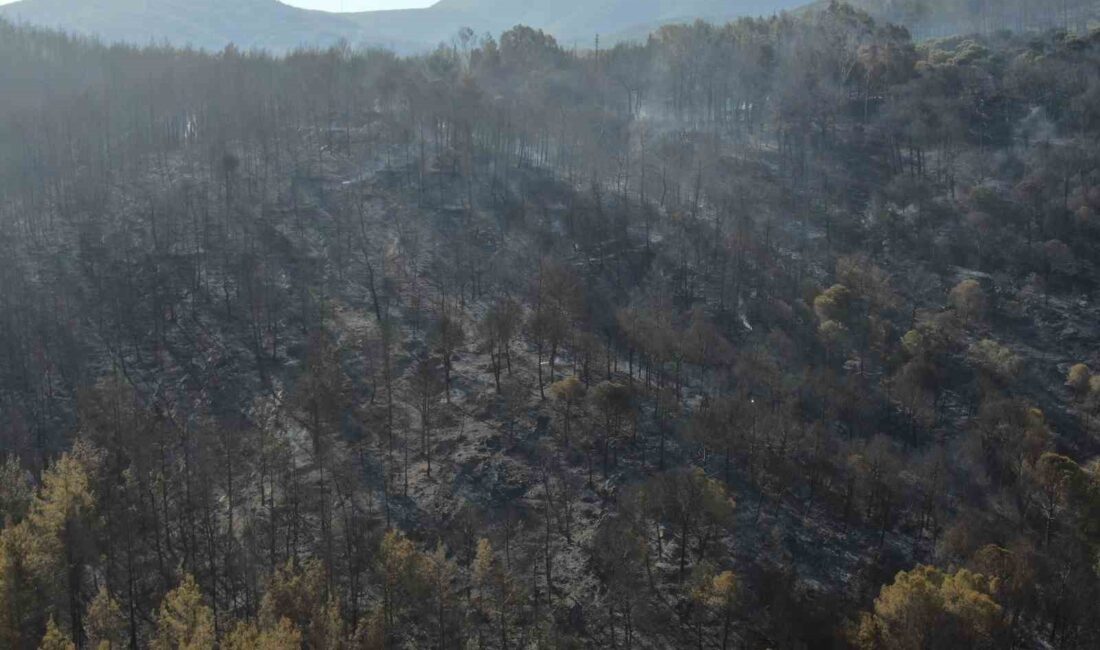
<point x="779" y="333"/>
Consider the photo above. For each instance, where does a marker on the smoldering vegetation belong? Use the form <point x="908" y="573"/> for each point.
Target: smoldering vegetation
<point x="773" y="334"/>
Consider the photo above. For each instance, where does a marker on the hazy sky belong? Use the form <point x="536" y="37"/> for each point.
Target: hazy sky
<point x="343" y="5"/>
<point x="358" y="5"/>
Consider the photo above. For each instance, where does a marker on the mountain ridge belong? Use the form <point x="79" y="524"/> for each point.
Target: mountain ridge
<point x="272" y="25"/>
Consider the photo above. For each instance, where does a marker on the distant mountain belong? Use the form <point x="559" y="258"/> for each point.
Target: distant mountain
<point x="269" y="24"/>
<point x="209" y="24"/>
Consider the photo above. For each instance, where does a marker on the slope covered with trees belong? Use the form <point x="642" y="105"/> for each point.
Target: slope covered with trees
<point x="780" y="333"/>
<point x="950" y="17"/>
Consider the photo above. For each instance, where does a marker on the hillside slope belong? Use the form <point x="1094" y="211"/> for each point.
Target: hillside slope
<point x="783" y="335"/>
<point x="938" y="18"/>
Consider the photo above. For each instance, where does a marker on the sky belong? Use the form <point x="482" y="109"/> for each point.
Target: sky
<point x="342" y="5"/>
<point x="358" y="5"/>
